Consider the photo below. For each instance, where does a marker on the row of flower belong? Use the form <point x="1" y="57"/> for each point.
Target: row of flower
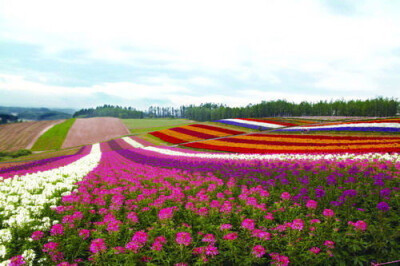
<point x="193" y="132"/>
<point x="144" y="207"/>
<point x="265" y="143"/>
<point x="260" y="124"/>
<point x="42" y="165"/>
<point x="26" y="201"/>
<point x="380" y="125"/>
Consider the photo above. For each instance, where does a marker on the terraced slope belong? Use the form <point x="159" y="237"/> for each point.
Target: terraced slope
<point x="20" y="135"/>
<point x="91" y="130"/>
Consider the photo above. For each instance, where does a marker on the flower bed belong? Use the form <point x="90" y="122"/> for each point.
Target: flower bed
<point x="380" y="125"/>
<point x="140" y="207"/>
<point x="261" y="124"/>
<point x="25" y="201"/>
<point x="265" y="143"/>
<point x="193" y="132"/>
<point x="43" y="165"/>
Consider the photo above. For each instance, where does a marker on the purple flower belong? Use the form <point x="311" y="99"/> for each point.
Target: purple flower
<point x="383" y="206"/>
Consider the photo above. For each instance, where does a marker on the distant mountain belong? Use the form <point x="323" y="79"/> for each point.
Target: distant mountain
<point x="28" y="113"/>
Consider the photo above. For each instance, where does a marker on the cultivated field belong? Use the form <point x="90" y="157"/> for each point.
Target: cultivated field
<point x="138" y="126"/>
<point x="21" y="135"/>
<point x="91" y="130"/>
<point x="302" y="199"/>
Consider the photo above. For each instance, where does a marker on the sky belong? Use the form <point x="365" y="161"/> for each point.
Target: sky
<point x="76" y="54"/>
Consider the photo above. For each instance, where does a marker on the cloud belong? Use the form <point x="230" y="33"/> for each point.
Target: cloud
<point x="180" y="51"/>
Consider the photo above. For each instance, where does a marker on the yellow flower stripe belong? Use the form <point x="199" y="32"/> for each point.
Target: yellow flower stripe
<point x="206" y="131"/>
<point x="300" y="140"/>
<point x="179" y="135"/>
<point x="222" y="143"/>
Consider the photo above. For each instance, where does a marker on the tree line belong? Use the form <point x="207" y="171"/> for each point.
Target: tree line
<point x="378" y="107"/>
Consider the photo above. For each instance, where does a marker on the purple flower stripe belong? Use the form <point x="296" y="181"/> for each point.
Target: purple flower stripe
<point x="375" y="129"/>
<point x="43" y="165"/>
<point x="241" y="124"/>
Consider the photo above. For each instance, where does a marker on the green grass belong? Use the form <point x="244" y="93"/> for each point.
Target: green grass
<point x="53" y="138"/>
<point x="141" y="126"/>
<point x="43" y="155"/>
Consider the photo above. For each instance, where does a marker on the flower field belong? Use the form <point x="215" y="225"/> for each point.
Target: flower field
<point x="260" y="124"/>
<point x="120" y="203"/>
<point x="379" y="125"/>
<point x="273" y="143"/>
<point x="193" y="132"/>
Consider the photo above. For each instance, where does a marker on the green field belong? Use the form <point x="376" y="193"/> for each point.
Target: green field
<point x="53" y="138"/>
<point x="139" y="126"/>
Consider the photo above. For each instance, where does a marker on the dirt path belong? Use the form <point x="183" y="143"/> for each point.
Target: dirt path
<point x="91" y="130"/>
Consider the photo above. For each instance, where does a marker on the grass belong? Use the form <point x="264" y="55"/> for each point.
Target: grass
<point x="142" y="126"/>
<point x="53" y="138"/>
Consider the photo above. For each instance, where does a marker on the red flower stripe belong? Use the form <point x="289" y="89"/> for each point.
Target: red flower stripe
<point x="220" y="129"/>
<point x="193" y="133"/>
<point x="166" y="138"/>
<point x="355" y="122"/>
<point x="322" y="137"/>
<point x="268" y="142"/>
<point x="269" y="121"/>
<point x="200" y="145"/>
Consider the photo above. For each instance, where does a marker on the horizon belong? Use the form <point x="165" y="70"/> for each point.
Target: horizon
<point x="179" y="53"/>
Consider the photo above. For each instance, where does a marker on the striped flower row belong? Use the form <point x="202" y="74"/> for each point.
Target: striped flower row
<point x="255" y="123"/>
<point x="382" y="125"/>
<point x="193" y="132"/>
<point x="264" y="143"/>
<point x="25" y="201"/>
<point x="169" y="151"/>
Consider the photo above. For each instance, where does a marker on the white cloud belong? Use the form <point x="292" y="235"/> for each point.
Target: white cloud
<point x="251" y="39"/>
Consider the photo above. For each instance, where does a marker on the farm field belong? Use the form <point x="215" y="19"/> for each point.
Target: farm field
<point x="53" y="138"/>
<point x="138" y="126"/>
<point x="22" y="135"/>
<point x="91" y="130"/>
<point x="291" y="199"/>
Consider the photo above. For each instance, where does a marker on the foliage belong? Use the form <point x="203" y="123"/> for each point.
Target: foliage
<point x="36" y="113"/>
<point x="109" y="110"/>
<point x="15" y="154"/>
<point x="53" y="138"/>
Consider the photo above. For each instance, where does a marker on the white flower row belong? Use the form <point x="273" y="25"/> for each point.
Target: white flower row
<point x="23" y="199"/>
<point x="133" y="143"/>
<point x="254" y="123"/>
<point x="386" y="125"/>
<point x="238" y="156"/>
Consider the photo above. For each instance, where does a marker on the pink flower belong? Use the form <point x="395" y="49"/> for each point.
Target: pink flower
<point x="183" y="238"/>
<point x="66" y="263"/>
<point x="37" y="235"/>
<point x="286" y="196"/>
<point x="258" y="251"/>
<point x="225" y="227"/>
<point x="140" y="237"/>
<point x="166" y="213"/>
<point x="315" y="221"/>
<point x="181" y="264"/>
<point x="261" y="234"/>
<point x="315" y="250"/>
<point x="359" y="225"/>
<point x="16" y="261"/>
<point x="269" y="216"/>
<point x="132" y="216"/>
<point x="279" y="259"/>
<point x="84" y="233"/>
<point x="297" y="224"/>
<point x="97" y="245"/>
<point x="209" y="238"/>
<point x="248" y="224"/>
<point x="119" y="250"/>
<point x="328" y="213"/>
<point x="51" y="246"/>
<point x="311" y="204"/>
<point x="57" y="229"/>
<point x="231" y="236"/>
<point x="133" y="246"/>
<point x="210" y="250"/>
<point x="329" y="244"/>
